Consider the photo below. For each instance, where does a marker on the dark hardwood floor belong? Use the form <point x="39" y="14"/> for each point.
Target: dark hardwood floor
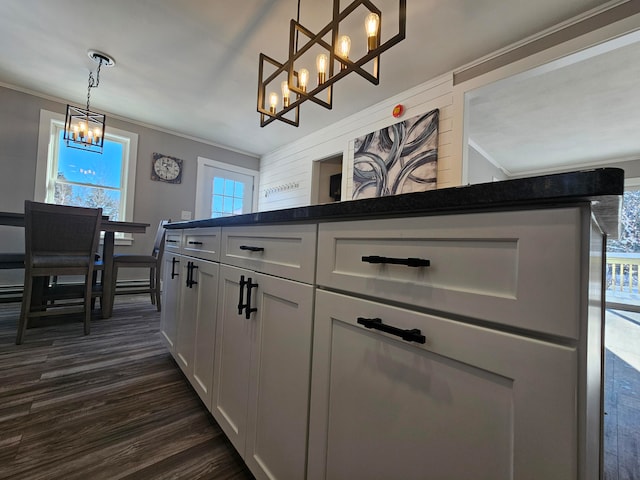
<point x="111" y="405"/>
<point x="622" y="396"/>
<point x="114" y="405"/>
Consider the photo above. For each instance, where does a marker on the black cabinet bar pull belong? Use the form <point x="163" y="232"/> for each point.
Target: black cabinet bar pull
<point x="241" y="304"/>
<point x="193" y="282"/>
<point x="188" y="274"/>
<point x="191" y="242"/>
<point x="173" y="267"/>
<point x="412" y="335"/>
<point x="251" y="249"/>
<point x="409" y="262"/>
<point x="172" y="241"/>
<point x="248" y="310"/>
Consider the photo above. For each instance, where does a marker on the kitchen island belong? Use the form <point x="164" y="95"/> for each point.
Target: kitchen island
<point x="448" y="334"/>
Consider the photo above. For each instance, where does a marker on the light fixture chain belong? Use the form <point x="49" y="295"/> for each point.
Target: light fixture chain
<point x="93" y="83"/>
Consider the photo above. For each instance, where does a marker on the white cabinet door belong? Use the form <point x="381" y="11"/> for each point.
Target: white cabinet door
<point x="196" y="328"/>
<point x="468" y="403"/>
<point x="277" y="419"/>
<point x="262" y="370"/>
<point x="170" y="300"/>
<point x="234" y="336"/>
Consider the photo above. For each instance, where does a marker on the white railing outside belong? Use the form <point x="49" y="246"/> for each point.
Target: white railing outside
<point x="622" y="278"/>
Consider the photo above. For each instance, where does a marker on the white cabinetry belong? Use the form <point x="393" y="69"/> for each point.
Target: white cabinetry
<point x="442" y="347"/>
<point x="263" y="346"/>
<point x="496" y="391"/>
<point x="191" y="286"/>
<point x="170" y="299"/>
<point x="196" y="331"/>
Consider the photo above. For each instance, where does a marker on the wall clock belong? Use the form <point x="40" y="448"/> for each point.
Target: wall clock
<point x="166" y="169"/>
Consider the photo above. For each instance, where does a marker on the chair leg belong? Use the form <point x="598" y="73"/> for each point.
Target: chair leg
<point x="94" y="282"/>
<point x="114" y="282"/>
<point x="152" y="286"/>
<point x="156" y="286"/>
<point x="26" y="308"/>
<point x="87" y="303"/>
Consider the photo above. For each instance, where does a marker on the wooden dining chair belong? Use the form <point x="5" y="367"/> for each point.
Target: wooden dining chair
<point x="153" y="262"/>
<point x="59" y="240"/>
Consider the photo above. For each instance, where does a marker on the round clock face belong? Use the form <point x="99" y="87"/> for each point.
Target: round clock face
<point x="166" y="168"/>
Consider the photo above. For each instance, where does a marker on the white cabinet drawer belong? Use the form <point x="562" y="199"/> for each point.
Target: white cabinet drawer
<point x="468" y="403"/>
<point x="202" y="243"/>
<point x="286" y="251"/>
<point x="519" y="268"/>
<point x="173" y="241"/>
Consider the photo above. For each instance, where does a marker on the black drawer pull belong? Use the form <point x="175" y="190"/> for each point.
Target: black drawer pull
<point x="251" y="249"/>
<point x="172" y="241"/>
<point x="195" y="243"/>
<point x="413" y="335"/>
<point x="409" y="262"/>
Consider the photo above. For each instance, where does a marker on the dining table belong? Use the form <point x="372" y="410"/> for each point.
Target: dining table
<point x="110" y="228"/>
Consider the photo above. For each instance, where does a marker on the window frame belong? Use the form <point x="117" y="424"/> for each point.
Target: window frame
<point x="48" y="141"/>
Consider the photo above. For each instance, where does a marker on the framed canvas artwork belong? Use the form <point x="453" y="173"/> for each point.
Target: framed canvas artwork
<point x="401" y="158"/>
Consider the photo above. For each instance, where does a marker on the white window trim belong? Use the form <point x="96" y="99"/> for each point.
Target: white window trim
<point x="200" y="177"/>
<point x="632" y="183"/>
<point x="46" y="131"/>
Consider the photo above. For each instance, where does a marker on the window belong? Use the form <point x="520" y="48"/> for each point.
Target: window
<point x="71" y="176"/>
<point x="227" y="197"/>
<point x="223" y="190"/>
<point x="623" y="253"/>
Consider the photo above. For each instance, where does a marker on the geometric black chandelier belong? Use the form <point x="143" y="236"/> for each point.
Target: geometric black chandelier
<point x="83" y="128"/>
<point x="331" y="51"/>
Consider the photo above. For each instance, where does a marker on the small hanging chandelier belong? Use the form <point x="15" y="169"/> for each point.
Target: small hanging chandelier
<point x="83" y="128"/>
<point x="333" y="61"/>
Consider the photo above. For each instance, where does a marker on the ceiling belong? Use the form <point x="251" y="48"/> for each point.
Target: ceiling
<point x="190" y="66"/>
<point x="582" y="110"/>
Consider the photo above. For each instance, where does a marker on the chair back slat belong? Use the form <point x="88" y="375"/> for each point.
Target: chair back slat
<point x="60" y="230"/>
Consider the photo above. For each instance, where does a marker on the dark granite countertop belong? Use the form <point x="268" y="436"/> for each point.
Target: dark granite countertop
<point x="603" y="188"/>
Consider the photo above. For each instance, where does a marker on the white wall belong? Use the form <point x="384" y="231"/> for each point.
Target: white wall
<point x="294" y="163"/>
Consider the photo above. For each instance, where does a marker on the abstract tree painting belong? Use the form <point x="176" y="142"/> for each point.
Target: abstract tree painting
<point x="401" y="158"/>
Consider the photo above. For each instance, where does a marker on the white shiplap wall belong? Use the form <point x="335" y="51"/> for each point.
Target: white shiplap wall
<point x="293" y="164"/>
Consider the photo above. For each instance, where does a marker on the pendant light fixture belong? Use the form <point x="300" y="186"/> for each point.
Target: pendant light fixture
<point x="294" y="79"/>
<point x="83" y="128"/>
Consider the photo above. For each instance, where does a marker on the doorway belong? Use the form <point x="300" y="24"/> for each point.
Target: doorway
<point x="223" y="190"/>
<point x="326" y="180"/>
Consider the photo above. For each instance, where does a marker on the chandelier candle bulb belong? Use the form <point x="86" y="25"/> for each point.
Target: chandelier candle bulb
<point x="344" y="47"/>
<point x="303" y="79"/>
<point x="371" y="23"/>
<point x="273" y="101"/>
<point x="285" y="93"/>
<point x="321" y="63"/>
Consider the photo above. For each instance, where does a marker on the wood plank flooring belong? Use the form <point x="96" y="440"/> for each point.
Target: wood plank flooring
<point x="114" y="405"/>
<point x="622" y="396"/>
<point x="111" y="405"/>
